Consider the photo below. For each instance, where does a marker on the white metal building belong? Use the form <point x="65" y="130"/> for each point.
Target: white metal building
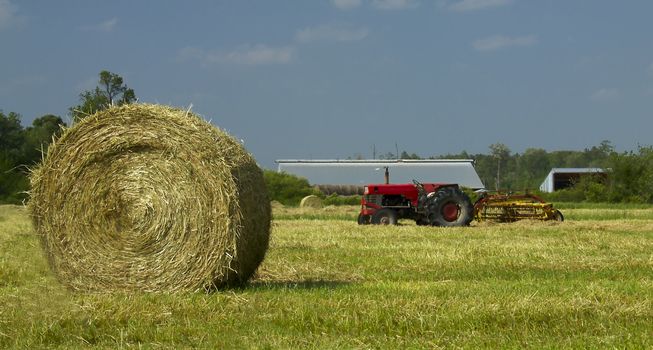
<point x="560" y="178"/>
<point x="361" y="172"/>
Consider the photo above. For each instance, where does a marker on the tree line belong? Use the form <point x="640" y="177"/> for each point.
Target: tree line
<point x="629" y="174"/>
<point x="22" y="148"/>
<point x="501" y="169"/>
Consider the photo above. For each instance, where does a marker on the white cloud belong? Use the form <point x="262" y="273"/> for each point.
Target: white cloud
<point x="105" y="26"/>
<point x="497" y="42"/>
<point x="473" y="5"/>
<point x="245" y="54"/>
<point x="108" y="25"/>
<point x="8" y="14"/>
<point x="395" y="4"/>
<point x="605" y="94"/>
<point x="331" y="33"/>
<point x="346" y="4"/>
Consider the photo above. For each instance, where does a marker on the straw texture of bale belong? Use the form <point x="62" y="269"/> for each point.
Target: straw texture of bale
<point x="150" y="198"/>
<point x="311" y="201"/>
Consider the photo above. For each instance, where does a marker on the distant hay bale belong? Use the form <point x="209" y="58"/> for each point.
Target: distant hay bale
<point x="150" y="198"/>
<point x="311" y="201"/>
<point x="276" y="205"/>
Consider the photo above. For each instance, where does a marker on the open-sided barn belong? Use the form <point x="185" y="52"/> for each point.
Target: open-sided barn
<point x="561" y="178"/>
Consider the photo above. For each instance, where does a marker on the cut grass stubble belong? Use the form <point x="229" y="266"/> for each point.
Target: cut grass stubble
<point x="332" y="283"/>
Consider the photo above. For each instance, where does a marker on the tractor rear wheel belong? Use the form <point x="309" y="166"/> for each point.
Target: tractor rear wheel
<point x="385" y="217"/>
<point x="450" y="207"/>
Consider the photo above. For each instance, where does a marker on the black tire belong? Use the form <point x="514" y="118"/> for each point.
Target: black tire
<point x="557" y="216"/>
<point x="363" y="219"/>
<point x="450" y="207"/>
<point x="385" y="217"/>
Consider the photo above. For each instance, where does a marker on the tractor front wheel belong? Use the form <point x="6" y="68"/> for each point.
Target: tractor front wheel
<point x="385" y="217"/>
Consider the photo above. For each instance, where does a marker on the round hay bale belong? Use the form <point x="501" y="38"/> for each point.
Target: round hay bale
<point x="277" y="205"/>
<point x="150" y="198"/>
<point x="311" y="201"/>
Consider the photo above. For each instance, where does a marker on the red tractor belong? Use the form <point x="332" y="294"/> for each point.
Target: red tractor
<point x="428" y="204"/>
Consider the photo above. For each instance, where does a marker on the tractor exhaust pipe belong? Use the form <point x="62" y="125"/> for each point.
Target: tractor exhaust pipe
<point x="387" y="176"/>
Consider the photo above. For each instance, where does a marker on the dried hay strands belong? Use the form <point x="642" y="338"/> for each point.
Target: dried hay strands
<point x="150" y="198"/>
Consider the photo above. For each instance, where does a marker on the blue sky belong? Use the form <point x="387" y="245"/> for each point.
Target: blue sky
<point x="332" y="78"/>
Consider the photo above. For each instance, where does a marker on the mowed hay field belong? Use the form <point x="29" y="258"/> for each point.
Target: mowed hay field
<point x="329" y="283"/>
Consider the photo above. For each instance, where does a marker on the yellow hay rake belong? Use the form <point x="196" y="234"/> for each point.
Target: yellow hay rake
<point x="513" y="207"/>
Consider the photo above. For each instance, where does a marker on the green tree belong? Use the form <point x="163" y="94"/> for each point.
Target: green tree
<point x="631" y="176"/>
<point x="406" y="155"/>
<point x="461" y="155"/>
<point x="598" y="156"/>
<point x="533" y="167"/>
<point x="111" y="91"/>
<point x="388" y="156"/>
<point x="20" y="149"/>
<point x="287" y="188"/>
<point x="11" y="135"/>
<point x="13" y="182"/>
<point x="38" y="137"/>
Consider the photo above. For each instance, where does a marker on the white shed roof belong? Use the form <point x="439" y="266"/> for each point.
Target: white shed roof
<point x="360" y="172"/>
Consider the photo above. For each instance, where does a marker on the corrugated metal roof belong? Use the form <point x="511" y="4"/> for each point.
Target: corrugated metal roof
<point x="361" y="172"/>
<point x="367" y="161"/>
